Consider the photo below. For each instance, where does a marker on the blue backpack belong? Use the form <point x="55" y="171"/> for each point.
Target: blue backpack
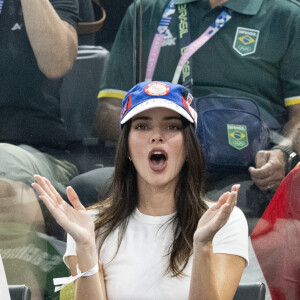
<point x="230" y="131"/>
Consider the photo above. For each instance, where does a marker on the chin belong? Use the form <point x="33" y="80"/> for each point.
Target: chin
<point x="160" y="181"/>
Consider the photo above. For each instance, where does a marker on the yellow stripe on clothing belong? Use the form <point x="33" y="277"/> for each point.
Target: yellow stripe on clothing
<point x="292" y="101"/>
<point x="112" y="94"/>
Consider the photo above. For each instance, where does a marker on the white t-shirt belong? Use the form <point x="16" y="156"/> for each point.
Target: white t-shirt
<point x="138" y="270"/>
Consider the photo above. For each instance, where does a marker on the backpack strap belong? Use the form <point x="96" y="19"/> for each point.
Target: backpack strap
<point x="92" y="27"/>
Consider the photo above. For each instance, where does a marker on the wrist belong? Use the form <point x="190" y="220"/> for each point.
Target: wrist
<point x="290" y="156"/>
<point x="202" y="246"/>
<point x="87" y="260"/>
<point x="86" y="248"/>
<point x="89" y="241"/>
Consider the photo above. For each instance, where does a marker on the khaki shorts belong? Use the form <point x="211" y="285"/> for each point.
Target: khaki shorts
<point x="21" y="163"/>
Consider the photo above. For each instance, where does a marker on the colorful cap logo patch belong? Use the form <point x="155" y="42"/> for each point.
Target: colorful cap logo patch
<point x="157" y="89"/>
<point x="237" y="136"/>
<point x="245" y="41"/>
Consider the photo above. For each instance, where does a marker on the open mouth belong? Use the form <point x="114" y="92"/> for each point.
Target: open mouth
<point x="158" y="160"/>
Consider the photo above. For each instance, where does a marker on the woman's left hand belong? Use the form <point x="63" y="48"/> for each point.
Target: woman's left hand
<point x="216" y="216"/>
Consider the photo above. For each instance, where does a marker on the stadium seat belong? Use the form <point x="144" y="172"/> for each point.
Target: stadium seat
<point x="80" y="89"/>
<point x="19" y="292"/>
<point x="250" y="291"/>
<point x="79" y="104"/>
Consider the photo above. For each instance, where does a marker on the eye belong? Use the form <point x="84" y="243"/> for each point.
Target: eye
<point x="141" y="126"/>
<point x="174" y="126"/>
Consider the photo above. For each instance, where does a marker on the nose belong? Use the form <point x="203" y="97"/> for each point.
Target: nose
<point x="157" y="137"/>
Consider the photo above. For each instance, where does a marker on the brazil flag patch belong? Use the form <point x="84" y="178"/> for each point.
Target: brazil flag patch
<point x="237" y="136"/>
<point x="245" y="41"/>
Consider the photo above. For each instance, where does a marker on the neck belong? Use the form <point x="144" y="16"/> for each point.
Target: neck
<point x="156" y="201"/>
<point x="215" y="3"/>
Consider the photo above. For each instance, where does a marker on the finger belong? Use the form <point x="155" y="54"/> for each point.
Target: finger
<point x="264" y="172"/>
<point x="73" y="197"/>
<point x="42" y="193"/>
<point x="38" y="189"/>
<point x="43" y="183"/>
<point x="226" y="209"/>
<point x="271" y="185"/>
<point x="49" y="204"/>
<point x="276" y="177"/>
<point x="54" y="191"/>
<point x="264" y="184"/>
<point x="232" y="200"/>
<point x="54" y="210"/>
<point x="223" y="198"/>
<point x="235" y="187"/>
<point x="261" y="158"/>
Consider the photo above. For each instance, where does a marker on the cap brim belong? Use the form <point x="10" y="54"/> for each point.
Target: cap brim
<point x="154" y="103"/>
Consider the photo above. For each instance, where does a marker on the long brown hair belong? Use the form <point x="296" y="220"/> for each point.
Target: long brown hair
<point x="189" y="198"/>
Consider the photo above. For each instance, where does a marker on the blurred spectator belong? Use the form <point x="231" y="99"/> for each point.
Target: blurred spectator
<point x="245" y="58"/>
<point x="38" y="45"/>
<point x="275" y="243"/>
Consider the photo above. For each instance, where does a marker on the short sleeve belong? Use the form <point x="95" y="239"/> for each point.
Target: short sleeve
<point x="233" y="237"/>
<point x="67" y="10"/>
<point x="71" y="248"/>
<point x="290" y="65"/>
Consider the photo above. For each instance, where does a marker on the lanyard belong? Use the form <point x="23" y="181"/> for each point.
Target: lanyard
<point x="1" y="4"/>
<point x="220" y="21"/>
<point x="184" y="40"/>
<point x="158" y="40"/>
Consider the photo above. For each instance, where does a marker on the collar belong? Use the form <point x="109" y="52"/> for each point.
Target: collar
<point x="246" y="7"/>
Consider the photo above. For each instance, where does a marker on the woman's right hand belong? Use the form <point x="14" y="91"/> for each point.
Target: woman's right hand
<point x="73" y="220"/>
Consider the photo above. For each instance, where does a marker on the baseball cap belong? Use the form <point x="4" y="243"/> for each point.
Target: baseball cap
<point x="147" y="95"/>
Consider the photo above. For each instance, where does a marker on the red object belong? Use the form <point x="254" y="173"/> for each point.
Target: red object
<point x="276" y="240"/>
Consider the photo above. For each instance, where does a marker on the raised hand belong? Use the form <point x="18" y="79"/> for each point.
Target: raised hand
<point x="216" y="216"/>
<point x="74" y="220"/>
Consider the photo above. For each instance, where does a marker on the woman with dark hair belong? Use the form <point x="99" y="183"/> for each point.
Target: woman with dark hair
<point x="157" y="236"/>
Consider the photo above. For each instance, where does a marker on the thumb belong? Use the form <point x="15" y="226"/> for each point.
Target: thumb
<point x="262" y="157"/>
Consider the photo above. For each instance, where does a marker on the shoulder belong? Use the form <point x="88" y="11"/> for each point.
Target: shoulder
<point x="287" y="9"/>
<point x="289" y="4"/>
